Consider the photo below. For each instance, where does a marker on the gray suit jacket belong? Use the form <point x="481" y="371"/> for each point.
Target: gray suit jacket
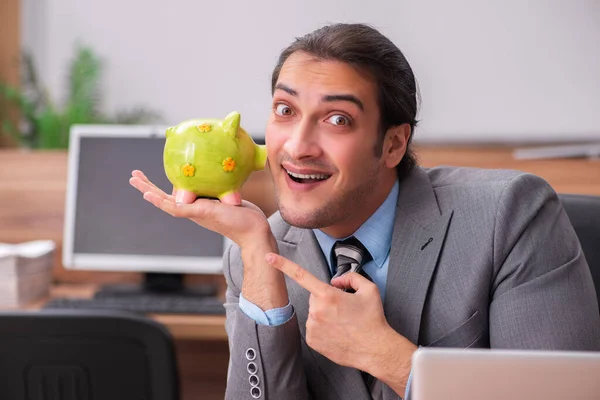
<point x="478" y="258"/>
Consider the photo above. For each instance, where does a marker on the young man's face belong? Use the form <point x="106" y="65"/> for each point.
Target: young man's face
<point x="321" y="138"/>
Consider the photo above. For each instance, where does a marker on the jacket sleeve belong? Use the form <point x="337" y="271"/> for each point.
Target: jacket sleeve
<point x="265" y="361"/>
<point x="543" y="296"/>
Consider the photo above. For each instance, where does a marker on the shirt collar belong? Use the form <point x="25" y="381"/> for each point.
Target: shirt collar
<point x="375" y="234"/>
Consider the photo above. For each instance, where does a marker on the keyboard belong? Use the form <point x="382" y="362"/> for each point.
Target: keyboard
<point x="144" y="304"/>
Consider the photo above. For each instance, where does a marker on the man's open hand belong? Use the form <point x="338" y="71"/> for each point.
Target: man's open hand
<point x="239" y="223"/>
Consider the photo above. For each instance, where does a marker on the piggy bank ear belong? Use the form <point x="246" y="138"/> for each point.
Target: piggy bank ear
<point x="231" y="123"/>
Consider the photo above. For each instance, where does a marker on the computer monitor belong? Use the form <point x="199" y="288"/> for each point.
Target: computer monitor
<point x="108" y="224"/>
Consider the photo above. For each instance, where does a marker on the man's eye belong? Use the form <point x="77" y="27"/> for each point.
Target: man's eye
<point x="282" y="109"/>
<point x="339" y="120"/>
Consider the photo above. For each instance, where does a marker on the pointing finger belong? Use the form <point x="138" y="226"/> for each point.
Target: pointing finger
<point x="304" y="278"/>
<point x="351" y="280"/>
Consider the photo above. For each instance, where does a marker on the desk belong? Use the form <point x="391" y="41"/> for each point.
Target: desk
<point x="184" y="327"/>
<point x="576" y="176"/>
<point x="32" y="197"/>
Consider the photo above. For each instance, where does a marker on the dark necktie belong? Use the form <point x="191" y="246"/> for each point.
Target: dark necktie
<point x="350" y="256"/>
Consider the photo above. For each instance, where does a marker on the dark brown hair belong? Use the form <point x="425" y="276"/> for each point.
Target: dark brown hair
<point x="369" y="51"/>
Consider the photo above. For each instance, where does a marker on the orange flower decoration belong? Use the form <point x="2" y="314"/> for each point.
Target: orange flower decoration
<point x="188" y="170"/>
<point x="228" y="164"/>
<point x="204" y="128"/>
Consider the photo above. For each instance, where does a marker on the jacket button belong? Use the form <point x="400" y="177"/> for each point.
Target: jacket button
<point x="250" y="354"/>
<point x="252" y="368"/>
<point x="254" y="380"/>
<point x="255" y="392"/>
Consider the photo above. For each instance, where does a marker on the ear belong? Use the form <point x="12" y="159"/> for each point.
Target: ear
<point x="395" y="143"/>
<point x="231" y="123"/>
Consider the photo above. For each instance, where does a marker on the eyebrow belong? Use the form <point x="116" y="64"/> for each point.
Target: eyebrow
<point x="327" y="98"/>
<point x="344" y="97"/>
<point x="286" y="89"/>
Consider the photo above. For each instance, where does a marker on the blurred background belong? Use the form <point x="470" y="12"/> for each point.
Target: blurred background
<point x="492" y="72"/>
<point x="494" y="77"/>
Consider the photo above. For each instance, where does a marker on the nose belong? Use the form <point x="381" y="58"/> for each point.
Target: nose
<point x="303" y="141"/>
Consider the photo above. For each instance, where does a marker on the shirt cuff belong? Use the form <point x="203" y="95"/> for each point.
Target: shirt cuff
<point x="272" y="317"/>
<point x="408" y="385"/>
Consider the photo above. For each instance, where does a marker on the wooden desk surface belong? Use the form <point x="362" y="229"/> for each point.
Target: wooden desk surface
<point x="32" y="197"/>
<point x="576" y="176"/>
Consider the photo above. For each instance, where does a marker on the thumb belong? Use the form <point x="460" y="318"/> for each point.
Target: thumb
<point x="351" y="280"/>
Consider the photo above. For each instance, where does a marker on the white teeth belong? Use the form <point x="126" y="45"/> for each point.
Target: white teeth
<point x="311" y="176"/>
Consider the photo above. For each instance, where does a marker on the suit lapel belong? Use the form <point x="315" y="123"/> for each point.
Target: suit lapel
<point x="419" y="234"/>
<point x="301" y="246"/>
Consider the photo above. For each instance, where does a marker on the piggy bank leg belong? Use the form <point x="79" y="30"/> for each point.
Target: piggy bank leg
<point x="233" y="198"/>
<point x="184" y="197"/>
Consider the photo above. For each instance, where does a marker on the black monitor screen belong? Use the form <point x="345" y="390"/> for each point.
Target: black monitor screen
<point x="111" y="216"/>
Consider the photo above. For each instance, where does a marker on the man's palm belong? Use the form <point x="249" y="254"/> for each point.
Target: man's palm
<point x="235" y="222"/>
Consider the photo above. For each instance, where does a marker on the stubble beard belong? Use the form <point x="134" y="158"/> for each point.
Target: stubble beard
<point x="338" y="207"/>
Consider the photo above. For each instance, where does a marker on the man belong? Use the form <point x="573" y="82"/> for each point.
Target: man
<point x="445" y="257"/>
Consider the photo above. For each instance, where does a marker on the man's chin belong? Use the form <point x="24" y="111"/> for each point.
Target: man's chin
<point x="299" y="217"/>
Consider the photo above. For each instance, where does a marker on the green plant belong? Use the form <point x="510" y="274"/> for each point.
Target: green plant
<point x="44" y="124"/>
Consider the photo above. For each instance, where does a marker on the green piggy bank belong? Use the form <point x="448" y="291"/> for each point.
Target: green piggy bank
<point x="211" y="158"/>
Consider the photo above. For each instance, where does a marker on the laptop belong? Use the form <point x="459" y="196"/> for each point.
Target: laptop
<point x="483" y="374"/>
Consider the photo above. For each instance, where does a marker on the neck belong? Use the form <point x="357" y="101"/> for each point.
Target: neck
<point x="351" y="225"/>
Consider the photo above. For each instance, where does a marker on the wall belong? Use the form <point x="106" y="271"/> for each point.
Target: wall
<point x="488" y="71"/>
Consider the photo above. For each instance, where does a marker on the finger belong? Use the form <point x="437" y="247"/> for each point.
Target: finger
<point x="304" y="278"/>
<point x="139" y="174"/>
<point x="351" y="280"/>
<point x="154" y="198"/>
<point x="145" y="187"/>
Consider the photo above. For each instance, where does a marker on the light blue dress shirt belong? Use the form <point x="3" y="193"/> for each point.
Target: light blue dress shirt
<point x="375" y="234"/>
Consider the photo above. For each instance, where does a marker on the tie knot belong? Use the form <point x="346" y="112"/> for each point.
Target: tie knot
<point x="350" y="255"/>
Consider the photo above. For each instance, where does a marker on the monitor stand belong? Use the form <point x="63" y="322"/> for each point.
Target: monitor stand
<point x="156" y="284"/>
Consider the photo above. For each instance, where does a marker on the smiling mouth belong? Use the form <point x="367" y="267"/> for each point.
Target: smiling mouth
<point x="307" y="178"/>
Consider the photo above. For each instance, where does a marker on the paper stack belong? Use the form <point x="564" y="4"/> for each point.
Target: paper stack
<point x="25" y="271"/>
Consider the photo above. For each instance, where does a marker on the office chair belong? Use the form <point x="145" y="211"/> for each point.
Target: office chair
<point x="584" y="213"/>
<point x="85" y="355"/>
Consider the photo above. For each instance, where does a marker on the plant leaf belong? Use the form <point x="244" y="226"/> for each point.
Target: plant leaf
<point x="50" y="128"/>
<point x="9" y="128"/>
<point x="30" y="84"/>
<point x="17" y="98"/>
<point x="83" y="103"/>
